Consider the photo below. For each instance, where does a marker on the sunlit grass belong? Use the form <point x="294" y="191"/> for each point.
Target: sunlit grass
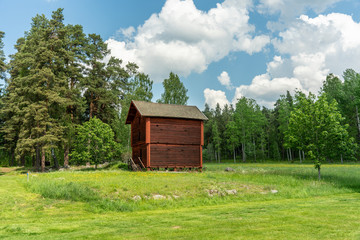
<point x="272" y="201"/>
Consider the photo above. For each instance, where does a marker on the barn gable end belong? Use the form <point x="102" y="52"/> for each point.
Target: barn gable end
<point x="166" y="135"/>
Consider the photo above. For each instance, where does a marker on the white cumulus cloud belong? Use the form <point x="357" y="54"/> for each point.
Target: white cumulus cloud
<point x="290" y="9"/>
<point x="313" y="47"/>
<point x="224" y="79"/>
<point x="213" y="97"/>
<point x="184" y="39"/>
<point x="266" y="90"/>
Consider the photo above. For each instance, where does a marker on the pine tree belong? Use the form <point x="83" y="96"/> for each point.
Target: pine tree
<point x="2" y="57"/>
<point x="37" y="88"/>
<point x="75" y="43"/>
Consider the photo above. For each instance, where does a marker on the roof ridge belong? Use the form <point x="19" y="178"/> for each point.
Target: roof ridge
<point x="148" y="109"/>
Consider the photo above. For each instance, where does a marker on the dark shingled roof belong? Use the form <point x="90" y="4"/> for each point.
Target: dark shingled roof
<point x="148" y="109"/>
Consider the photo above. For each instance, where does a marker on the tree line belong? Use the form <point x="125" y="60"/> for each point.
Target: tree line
<point x="65" y="100"/>
<point x="304" y="126"/>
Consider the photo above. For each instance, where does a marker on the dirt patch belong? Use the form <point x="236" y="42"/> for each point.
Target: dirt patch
<point x="6" y="169"/>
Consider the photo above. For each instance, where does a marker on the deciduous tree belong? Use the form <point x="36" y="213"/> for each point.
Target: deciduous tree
<point x="174" y="91"/>
<point x="94" y="143"/>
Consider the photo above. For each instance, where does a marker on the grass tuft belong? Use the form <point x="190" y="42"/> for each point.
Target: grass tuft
<point x="63" y="190"/>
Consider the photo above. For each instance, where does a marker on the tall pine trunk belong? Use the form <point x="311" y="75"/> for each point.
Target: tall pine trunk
<point x="22" y="160"/>
<point x="56" y="162"/>
<point x="37" y="161"/>
<point x="12" y="157"/>
<point x="66" y="156"/>
<point x="42" y="159"/>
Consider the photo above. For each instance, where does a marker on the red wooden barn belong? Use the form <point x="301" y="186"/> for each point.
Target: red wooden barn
<point x="166" y="135"/>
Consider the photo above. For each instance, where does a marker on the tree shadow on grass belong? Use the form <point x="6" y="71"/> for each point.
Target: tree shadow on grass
<point x="110" y="166"/>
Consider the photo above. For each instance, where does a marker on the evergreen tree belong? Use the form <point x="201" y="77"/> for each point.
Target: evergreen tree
<point x="3" y="68"/>
<point x="140" y="89"/>
<point x="75" y="43"/>
<point x="2" y="57"/>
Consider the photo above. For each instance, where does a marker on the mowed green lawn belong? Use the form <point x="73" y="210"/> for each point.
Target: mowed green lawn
<point x="256" y="201"/>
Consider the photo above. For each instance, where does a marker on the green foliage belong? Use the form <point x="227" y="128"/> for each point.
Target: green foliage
<point x="174" y="91"/>
<point x="315" y="126"/>
<point x="94" y="143"/>
<point x="250" y="123"/>
<point x="3" y="66"/>
<point x="59" y="78"/>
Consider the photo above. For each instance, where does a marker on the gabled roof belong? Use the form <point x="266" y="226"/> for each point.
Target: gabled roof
<point x="148" y="109"/>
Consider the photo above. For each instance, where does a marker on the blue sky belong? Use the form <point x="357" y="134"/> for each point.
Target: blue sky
<point x="221" y="50"/>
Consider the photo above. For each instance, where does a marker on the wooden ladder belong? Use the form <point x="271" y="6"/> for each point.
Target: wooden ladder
<point x="133" y="165"/>
<point x="141" y="163"/>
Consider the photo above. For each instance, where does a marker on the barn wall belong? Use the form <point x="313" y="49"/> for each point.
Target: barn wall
<point x="175" y="142"/>
<point x="139" y="151"/>
<point x="175" y="155"/>
<point x="175" y="131"/>
<point x="166" y="142"/>
<point x="138" y="130"/>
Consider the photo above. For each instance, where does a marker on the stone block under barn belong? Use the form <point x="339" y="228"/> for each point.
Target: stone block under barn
<point x="166" y="135"/>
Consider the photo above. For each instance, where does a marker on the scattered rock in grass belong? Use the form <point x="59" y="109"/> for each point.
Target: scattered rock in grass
<point x="158" y="197"/>
<point x="231" y="192"/>
<point x="229" y="169"/>
<point x="105" y="164"/>
<point x="136" y="198"/>
<point x="212" y="192"/>
<point x="176" y="196"/>
<point x="176" y="227"/>
<point x="274" y="191"/>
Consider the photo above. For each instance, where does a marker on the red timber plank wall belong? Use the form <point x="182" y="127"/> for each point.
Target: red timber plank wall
<point x="174" y="142"/>
<point x="138" y="139"/>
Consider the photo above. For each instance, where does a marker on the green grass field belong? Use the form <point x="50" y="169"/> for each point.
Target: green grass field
<point x="256" y="201"/>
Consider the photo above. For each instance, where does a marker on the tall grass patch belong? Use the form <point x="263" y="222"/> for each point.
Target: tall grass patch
<point x="63" y="190"/>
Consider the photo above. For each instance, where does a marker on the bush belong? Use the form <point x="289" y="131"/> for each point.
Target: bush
<point x="94" y="143"/>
